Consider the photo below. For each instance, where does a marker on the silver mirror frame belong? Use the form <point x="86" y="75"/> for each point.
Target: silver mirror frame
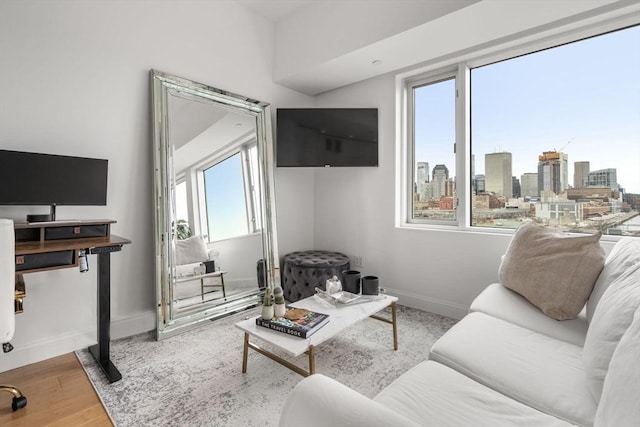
<point x="161" y="84"/>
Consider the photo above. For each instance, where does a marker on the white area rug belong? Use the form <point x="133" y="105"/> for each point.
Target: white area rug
<point x="195" y="379"/>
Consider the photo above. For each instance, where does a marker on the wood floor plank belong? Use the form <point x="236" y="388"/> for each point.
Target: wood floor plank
<point x="58" y="394"/>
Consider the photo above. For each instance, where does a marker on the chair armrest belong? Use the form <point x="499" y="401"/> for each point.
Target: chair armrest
<point x="319" y="401"/>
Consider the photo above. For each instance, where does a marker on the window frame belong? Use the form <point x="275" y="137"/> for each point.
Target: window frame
<point x="461" y="66"/>
<point x="412" y="84"/>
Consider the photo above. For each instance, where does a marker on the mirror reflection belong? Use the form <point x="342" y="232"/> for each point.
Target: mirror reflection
<point x="214" y="231"/>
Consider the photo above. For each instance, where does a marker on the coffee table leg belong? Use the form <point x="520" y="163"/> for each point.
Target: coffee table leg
<point x="245" y="352"/>
<point x="312" y="361"/>
<point x="395" y="325"/>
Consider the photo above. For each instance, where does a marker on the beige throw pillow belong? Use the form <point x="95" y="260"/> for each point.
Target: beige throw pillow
<point x="553" y="270"/>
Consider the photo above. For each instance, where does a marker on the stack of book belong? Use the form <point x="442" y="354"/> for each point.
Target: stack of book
<point x="298" y="322"/>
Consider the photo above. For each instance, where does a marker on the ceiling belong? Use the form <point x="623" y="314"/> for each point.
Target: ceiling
<point x="321" y="45"/>
<point x="276" y="10"/>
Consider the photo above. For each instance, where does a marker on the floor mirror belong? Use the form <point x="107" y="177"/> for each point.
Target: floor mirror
<point x="215" y="232"/>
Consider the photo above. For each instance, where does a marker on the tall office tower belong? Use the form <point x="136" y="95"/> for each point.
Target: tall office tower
<point x="422" y="181"/>
<point x="515" y="187"/>
<point x="440" y="177"/>
<point x="473" y="165"/>
<point x="497" y="169"/>
<point x="553" y="172"/>
<point x="422" y="172"/>
<point x="450" y="187"/>
<point x="529" y="185"/>
<point x="604" y="178"/>
<point x="478" y="184"/>
<point x="580" y="172"/>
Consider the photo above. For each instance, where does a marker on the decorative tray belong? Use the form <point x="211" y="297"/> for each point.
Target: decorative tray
<point x="342" y="297"/>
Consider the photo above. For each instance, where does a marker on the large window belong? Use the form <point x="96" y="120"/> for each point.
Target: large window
<point x="550" y="135"/>
<point x="434" y="196"/>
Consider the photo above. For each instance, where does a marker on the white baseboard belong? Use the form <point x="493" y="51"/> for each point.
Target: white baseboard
<point x="46" y="349"/>
<point x="432" y="305"/>
<point x="133" y="325"/>
<point x="62" y="344"/>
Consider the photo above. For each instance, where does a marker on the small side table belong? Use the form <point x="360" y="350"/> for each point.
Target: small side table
<point x="219" y="274"/>
<point x="202" y="277"/>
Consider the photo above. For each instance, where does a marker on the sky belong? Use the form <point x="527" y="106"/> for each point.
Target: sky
<point x="582" y="98"/>
<point x="226" y="207"/>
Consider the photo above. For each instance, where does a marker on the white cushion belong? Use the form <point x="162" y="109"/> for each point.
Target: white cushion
<point x="620" y="402"/>
<point x="555" y="271"/>
<point x="193" y="249"/>
<point x="433" y="394"/>
<point x="611" y="319"/>
<point x="625" y="254"/>
<point x="498" y="301"/>
<point x="319" y="401"/>
<point x="7" y="280"/>
<point x="539" y="371"/>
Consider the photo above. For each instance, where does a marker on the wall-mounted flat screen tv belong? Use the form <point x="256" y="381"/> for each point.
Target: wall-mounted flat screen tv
<point x="327" y="137"/>
<point x="48" y="179"/>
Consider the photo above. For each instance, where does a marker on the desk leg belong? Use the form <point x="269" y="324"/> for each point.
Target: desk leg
<point x="100" y="351"/>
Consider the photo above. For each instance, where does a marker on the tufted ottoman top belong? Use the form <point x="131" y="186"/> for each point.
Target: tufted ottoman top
<point x="318" y="259"/>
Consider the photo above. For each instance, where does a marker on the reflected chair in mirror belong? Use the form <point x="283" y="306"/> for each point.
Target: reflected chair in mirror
<point x="7" y="307"/>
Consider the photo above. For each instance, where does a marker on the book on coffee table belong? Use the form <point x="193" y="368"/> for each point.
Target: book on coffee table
<point x="298" y="322"/>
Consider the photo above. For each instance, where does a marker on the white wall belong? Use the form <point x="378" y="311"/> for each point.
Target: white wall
<point x="74" y="80"/>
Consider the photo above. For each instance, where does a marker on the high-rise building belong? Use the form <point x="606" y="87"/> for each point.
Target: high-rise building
<point x="438" y="182"/>
<point x="553" y="172"/>
<point x="422" y="172"/>
<point x="603" y="178"/>
<point x="515" y="187"/>
<point x="580" y="172"/>
<point x="529" y="185"/>
<point x="497" y="170"/>
<point x="478" y="184"/>
<point x="423" y="187"/>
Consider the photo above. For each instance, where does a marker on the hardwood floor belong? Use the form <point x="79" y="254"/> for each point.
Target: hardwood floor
<point x="58" y="393"/>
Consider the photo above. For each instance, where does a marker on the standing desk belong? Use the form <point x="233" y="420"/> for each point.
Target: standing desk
<point x="44" y="246"/>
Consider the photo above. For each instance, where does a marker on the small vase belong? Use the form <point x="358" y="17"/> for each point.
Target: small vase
<point x="267" y="312"/>
<point x="279" y="310"/>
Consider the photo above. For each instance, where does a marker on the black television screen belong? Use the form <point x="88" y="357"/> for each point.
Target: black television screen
<point x="48" y="179"/>
<point x="327" y="137"/>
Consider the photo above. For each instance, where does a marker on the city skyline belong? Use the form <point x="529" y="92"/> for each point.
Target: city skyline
<point x="570" y="178"/>
<point x="581" y="98"/>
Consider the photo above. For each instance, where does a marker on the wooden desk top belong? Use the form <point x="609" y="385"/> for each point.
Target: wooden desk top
<point x="62" y="223"/>
<point x="24" y="248"/>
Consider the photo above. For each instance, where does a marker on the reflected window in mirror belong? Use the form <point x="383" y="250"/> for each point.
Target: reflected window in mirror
<point x="226" y="199"/>
<point x="226" y="203"/>
<point x="255" y="189"/>
<point x="182" y="211"/>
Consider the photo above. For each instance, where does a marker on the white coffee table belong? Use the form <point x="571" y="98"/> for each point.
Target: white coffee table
<point x="341" y="317"/>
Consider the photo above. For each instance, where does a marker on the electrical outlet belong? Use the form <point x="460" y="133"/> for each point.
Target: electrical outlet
<point x="357" y="261"/>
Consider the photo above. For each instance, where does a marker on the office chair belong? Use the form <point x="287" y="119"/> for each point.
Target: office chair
<point x="7" y="295"/>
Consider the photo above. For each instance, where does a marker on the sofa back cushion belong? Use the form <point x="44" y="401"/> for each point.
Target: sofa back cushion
<point x="612" y="317"/>
<point x="620" y="401"/>
<point x="624" y="255"/>
<point x="555" y="271"/>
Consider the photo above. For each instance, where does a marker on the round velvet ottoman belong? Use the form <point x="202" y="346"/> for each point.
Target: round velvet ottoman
<point x="303" y="271"/>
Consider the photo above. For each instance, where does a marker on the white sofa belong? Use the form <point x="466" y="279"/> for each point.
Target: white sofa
<point x="508" y="364"/>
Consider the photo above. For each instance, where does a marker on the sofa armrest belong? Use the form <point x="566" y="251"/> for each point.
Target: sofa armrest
<point x="319" y="401"/>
